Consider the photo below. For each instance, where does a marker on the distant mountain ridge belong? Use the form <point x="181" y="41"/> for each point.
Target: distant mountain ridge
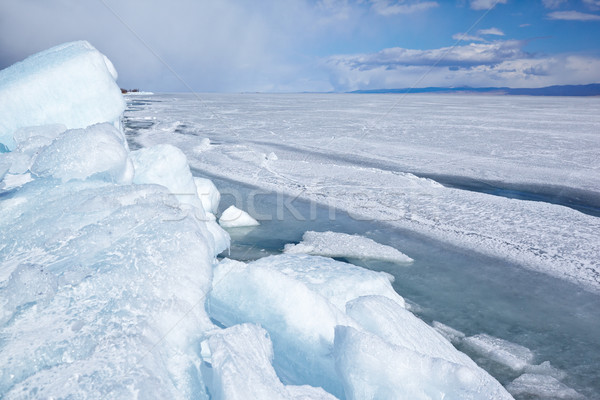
<point x="558" y="90"/>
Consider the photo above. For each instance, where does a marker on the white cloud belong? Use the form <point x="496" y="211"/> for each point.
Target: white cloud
<point x="389" y="7"/>
<point x="573" y="16"/>
<point x="474" y="65"/>
<point x="485" y="4"/>
<point x="553" y="3"/>
<point x="478" y="38"/>
<point x="490" y="31"/>
<point x="456" y="57"/>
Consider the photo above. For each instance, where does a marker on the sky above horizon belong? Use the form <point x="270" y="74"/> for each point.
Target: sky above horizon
<point x="318" y="45"/>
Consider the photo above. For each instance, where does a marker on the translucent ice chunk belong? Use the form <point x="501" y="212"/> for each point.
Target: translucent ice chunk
<point x="372" y="368"/>
<point x="512" y="355"/>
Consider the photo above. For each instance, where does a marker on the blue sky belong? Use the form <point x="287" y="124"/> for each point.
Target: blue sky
<point x="318" y="45"/>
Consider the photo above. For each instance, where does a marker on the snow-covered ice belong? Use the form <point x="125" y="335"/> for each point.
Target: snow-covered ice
<point x="233" y="217"/>
<point x="336" y="244"/>
<point x="71" y="84"/>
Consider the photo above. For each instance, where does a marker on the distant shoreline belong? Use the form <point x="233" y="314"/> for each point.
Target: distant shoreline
<point x="559" y="90"/>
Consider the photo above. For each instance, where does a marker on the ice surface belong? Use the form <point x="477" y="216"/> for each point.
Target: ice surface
<point x="70" y="84"/>
<point x="238" y="366"/>
<point x="372" y="368"/>
<point x="11" y="181"/>
<point x="512" y="355"/>
<point x="335" y="244"/>
<point x="203" y="146"/>
<point x="5" y="165"/>
<point x="541" y="387"/>
<point x="233" y="217"/>
<point x="209" y="194"/>
<point x="96" y="151"/>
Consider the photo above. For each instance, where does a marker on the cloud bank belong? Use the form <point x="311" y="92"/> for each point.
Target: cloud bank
<point x="501" y="63"/>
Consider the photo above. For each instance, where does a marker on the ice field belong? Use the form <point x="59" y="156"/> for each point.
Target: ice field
<point x="184" y="251"/>
<point x="333" y="150"/>
<point x="379" y="156"/>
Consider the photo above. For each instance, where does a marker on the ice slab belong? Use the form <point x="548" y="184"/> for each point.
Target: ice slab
<point x="208" y="193"/>
<point x="372" y="368"/>
<point x="238" y="366"/>
<point x="512" y="355"/>
<point x="398" y="326"/>
<point x="546" y="368"/>
<point x="166" y="165"/>
<point x="453" y="335"/>
<point x="534" y="386"/>
<point x="96" y="151"/>
<point x="338" y="282"/>
<point x="71" y="84"/>
<point x="336" y="244"/>
<point x="233" y="217"/>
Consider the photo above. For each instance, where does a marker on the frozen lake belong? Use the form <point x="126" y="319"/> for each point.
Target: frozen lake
<point x="522" y="271"/>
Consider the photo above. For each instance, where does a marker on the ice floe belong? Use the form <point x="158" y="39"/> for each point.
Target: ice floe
<point x="233" y="217"/>
<point x="336" y="244"/>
